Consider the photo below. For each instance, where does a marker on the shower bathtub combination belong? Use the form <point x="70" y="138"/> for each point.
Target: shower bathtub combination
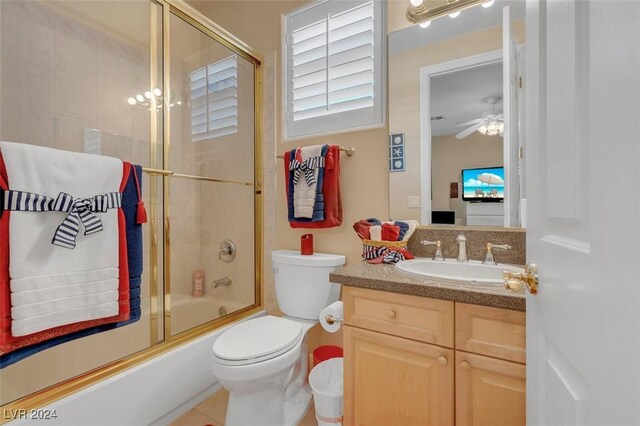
<point x="157" y="84"/>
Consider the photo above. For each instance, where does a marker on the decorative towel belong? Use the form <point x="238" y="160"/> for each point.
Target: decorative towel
<point x="8" y="342"/>
<point x="375" y="232"/>
<point x="362" y="229"/>
<point x="330" y="190"/>
<point x="404" y="227"/>
<point x="35" y="265"/>
<point x="390" y="232"/>
<point x="131" y="199"/>
<point x="318" y="207"/>
<point x="413" y="224"/>
<point x="306" y="162"/>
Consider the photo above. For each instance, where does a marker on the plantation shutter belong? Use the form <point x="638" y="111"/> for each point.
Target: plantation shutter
<point x="214" y="100"/>
<point x="334" y="67"/>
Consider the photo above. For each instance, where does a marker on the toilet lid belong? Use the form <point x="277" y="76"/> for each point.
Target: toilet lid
<point x="256" y="340"/>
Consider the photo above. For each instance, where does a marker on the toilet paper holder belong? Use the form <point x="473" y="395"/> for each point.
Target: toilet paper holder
<point x="330" y="319"/>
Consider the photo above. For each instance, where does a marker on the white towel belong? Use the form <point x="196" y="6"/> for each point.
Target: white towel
<point x="304" y="196"/>
<point x="413" y="224"/>
<point x="42" y="271"/>
<point x="375" y="233"/>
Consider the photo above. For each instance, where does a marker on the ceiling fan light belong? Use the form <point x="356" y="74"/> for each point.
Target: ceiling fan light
<point x="483" y="129"/>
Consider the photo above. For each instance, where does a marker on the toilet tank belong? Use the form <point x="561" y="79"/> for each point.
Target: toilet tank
<point x="302" y="282"/>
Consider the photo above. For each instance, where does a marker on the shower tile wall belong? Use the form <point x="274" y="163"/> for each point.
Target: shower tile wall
<point x="62" y="78"/>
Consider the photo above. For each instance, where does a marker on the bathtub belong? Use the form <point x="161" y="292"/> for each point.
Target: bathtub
<point x="188" y="311"/>
<point x="152" y="393"/>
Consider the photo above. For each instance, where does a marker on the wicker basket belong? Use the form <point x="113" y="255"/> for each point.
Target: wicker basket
<point x="387" y="244"/>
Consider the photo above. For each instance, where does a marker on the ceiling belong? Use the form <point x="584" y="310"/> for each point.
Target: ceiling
<point x="461" y="96"/>
<point x="470" y="20"/>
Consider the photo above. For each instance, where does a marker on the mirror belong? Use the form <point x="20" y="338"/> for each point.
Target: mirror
<point x="454" y="106"/>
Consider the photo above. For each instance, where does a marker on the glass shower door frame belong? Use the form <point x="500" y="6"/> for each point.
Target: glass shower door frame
<point x="159" y="215"/>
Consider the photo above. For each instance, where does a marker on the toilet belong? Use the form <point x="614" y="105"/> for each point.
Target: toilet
<point x="262" y="362"/>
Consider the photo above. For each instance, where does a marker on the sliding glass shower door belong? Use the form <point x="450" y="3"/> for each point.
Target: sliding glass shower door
<point x="156" y="84"/>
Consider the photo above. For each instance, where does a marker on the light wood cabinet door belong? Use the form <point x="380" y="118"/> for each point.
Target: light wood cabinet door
<point x="390" y="380"/>
<point x="489" y="392"/>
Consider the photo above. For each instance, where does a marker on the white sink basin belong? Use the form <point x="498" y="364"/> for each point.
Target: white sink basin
<point x="453" y="270"/>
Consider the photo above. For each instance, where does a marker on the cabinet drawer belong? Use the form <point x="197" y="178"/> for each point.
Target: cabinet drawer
<point x="489" y="331"/>
<point x="414" y="317"/>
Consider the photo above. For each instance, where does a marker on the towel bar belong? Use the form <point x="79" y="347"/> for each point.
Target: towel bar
<point x="350" y="151"/>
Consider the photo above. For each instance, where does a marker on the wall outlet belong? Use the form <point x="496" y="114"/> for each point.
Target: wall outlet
<point x="413" y="201"/>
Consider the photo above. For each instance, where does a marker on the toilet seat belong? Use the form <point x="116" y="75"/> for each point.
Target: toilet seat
<point x="256" y="340"/>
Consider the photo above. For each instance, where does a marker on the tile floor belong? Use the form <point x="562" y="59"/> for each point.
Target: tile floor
<point x="213" y="410"/>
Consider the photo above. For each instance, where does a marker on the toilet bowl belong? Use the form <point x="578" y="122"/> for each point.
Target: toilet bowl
<point x="262" y="362"/>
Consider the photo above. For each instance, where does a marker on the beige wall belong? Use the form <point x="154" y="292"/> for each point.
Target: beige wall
<point x="450" y="155"/>
<point x="404" y="103"/>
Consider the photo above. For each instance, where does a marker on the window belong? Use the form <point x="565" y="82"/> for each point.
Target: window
<point x="214" y="100"/>
<point x="334" y="67"/>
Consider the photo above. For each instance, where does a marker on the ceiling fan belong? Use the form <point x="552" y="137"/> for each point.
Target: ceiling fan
<point x="491" y="123"/>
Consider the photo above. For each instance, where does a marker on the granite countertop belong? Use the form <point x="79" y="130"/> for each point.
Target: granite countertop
<point x="388" y="278"/>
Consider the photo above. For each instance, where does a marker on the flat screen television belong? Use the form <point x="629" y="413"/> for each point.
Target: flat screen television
<point x="484" y="185"/>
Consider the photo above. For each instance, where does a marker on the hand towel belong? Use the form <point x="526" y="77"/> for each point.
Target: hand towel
<point x="130" y="201"/>
<point x="319" y="206"/>
<point x="304" y="192"/>
<point x="362" y="229"/>
<point x="331" y="193"/>
<point x="33" y="260"/>
<point x="390" y="232"/>
<point x="376" y="233"/>
<point x="404" y="227"/>
<point x="413" y="224"/>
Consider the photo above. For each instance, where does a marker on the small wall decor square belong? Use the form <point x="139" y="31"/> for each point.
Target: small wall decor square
<point x="396" y="152"/>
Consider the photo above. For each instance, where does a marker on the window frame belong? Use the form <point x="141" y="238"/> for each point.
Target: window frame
<point x="354" y="120"/>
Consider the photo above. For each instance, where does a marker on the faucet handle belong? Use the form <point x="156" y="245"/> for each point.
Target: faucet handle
<point x="488" y="258"/>
<point x="500" y="246"/>
<point x="438" y="254"/>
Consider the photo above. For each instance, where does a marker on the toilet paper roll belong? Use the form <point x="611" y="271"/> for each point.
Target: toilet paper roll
<point x="335" y="311"/>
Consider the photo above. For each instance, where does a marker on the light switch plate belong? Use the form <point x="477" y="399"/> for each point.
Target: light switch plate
<point x="413" y="201"/>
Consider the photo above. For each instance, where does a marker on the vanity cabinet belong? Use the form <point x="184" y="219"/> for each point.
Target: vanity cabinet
<point x="489" y="391"/>
<point x="391" y="380"/>
<point x="412" y="360"/>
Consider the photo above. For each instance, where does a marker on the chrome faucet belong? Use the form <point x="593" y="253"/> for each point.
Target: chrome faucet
<point x="488" y="258"/>
<point x="462" y="248"/>
<point x="438" y="254"/>
<point x="222" y="282"/>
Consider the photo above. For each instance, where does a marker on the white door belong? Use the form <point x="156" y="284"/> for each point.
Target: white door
<point x="510" y="113"/>
<point x="583" y="208"/>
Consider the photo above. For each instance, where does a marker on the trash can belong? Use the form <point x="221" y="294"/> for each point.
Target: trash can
<point x="323" y="353"/>
<point x="326" y="380"/>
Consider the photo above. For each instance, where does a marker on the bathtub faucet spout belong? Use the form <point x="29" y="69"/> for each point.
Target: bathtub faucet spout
<point x="222" y="282"/>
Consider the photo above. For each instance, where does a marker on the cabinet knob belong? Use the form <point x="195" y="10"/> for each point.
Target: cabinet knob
<point x="465" y="365"/>
<point x="391" y="314"/>
<point x="443" y="360"/>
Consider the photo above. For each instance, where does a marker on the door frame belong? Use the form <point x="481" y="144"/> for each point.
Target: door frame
<point x="426" y="73"/>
